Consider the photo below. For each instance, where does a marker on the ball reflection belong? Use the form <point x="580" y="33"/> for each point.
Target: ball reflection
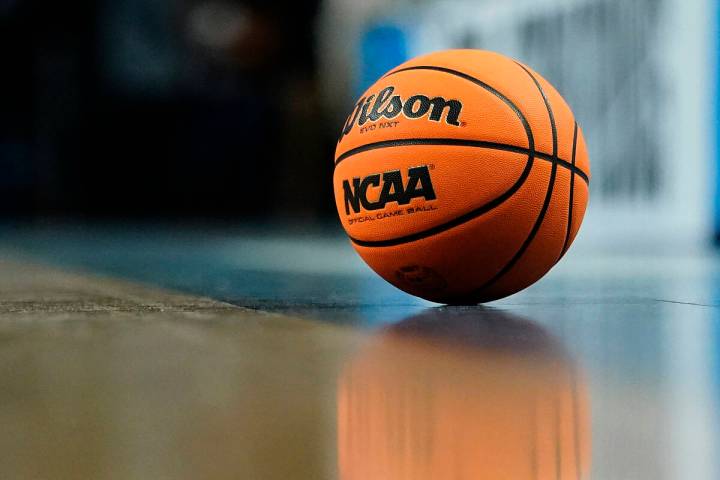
<point x="462" y="394"/>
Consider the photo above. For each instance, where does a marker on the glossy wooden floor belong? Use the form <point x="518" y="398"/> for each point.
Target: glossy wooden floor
<point x="135" y="353"/>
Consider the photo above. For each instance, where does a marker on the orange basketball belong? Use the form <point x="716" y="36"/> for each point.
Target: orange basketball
<point x="461" y="176"/>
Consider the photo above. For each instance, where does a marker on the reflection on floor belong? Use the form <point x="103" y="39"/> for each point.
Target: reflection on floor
<point x="637" y="335"/>
<point x="463" y="393"/>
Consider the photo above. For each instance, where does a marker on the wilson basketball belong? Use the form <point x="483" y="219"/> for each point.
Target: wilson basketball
<point x="461" y="176"/>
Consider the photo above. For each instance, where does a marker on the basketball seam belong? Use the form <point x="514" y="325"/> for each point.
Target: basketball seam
<point x="459" y="142"/>
<point x="546" y="204"/>
<point x="566" y="245"/>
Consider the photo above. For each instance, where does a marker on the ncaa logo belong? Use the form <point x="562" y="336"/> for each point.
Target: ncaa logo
<point x="393" y="189"/>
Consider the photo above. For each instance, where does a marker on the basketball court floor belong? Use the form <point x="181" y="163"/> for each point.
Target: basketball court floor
<point x="137" y="351"/>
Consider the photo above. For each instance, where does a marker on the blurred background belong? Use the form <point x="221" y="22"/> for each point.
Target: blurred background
<point x="229" y="109"/>
<point x="123" y="114"/>
<point x="147" y="108"/>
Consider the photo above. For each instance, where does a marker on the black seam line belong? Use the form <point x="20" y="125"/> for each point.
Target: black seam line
<point x="546" y="204"/>
<point x="458" y="142"/>
<point x="572" y="188"/>
<point x="491" y="204"/>
<point x="508" y="102"/>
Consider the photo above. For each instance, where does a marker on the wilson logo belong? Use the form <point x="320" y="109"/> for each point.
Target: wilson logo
<point x="387" y="105"/>
<point x="419" y="185"/>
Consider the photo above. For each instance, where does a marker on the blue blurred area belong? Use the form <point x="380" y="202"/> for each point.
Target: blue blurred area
<point x="383" y="46"/>
<point x="716" y="118"/>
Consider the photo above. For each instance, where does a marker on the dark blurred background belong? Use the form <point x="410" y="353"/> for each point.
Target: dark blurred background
<point x="149" y="108"/>
<point x="229" y="109"/>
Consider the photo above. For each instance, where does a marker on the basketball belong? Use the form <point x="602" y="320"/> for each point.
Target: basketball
<point x="461" y="176"/>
